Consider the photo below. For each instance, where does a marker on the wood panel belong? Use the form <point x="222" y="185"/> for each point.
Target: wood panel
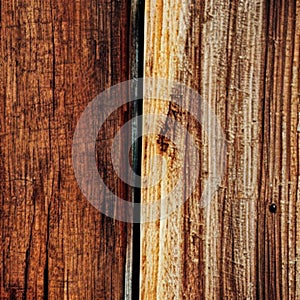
<point x="243" y="59"/>
<point x="55" y="57"/>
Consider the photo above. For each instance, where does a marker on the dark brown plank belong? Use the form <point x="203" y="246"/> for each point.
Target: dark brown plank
<point x="55" y="57"/>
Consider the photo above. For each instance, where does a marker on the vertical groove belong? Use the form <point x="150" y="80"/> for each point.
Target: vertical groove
<point x="137" y="70"/>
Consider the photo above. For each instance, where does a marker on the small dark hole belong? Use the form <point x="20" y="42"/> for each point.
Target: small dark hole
<point x="273" y="208"/>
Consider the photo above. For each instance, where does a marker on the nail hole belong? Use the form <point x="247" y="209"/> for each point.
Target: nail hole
<point x="273" y="208"/>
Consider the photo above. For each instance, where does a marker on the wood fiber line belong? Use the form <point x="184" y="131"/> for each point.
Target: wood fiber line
<point x="243" y="58"/>
<point x="55" y="57"/>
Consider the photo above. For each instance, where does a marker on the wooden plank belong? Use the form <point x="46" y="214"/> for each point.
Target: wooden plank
<point x="243" y="59"/>
<point x="55" y="57"/>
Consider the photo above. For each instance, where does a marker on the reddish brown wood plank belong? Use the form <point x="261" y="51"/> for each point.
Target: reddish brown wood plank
<point x="55" y="57"/>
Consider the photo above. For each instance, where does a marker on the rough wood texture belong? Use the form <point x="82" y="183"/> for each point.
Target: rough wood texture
<point x="55" y="57"/>
<point x="243" y="58"/>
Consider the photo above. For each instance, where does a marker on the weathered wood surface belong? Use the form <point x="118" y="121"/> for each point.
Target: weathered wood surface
<point x="55" y="57"/>
<point x="243" y="58"/>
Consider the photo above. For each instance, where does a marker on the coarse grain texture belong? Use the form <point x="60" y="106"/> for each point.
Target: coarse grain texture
<point x="243" y="59"/>
<point x="55" y="57"/>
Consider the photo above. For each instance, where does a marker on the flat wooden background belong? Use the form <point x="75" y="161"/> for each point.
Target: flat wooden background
<point x="242" y="57"/>
<point x="56" y="56"/>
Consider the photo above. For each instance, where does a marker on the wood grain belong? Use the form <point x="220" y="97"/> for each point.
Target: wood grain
<point x="243" y="59"/>
<point x="55" y="57"/>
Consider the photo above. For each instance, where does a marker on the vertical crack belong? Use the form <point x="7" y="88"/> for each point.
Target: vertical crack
<point x="46" y="268"/>
<point x="137" y="71"/>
